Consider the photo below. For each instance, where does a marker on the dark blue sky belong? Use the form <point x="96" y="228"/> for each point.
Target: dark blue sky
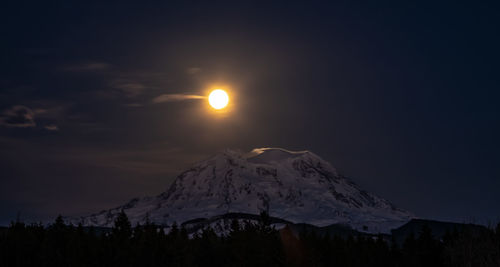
<point x="403" y="98"/>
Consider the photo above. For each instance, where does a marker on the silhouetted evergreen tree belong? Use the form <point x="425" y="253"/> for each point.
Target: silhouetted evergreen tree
<point x="247" y="244"/>
<point x="428" y="249"/>
<point x="118" y="245"/>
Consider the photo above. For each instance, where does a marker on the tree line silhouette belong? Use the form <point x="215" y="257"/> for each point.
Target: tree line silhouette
<point x="244" y="244"/>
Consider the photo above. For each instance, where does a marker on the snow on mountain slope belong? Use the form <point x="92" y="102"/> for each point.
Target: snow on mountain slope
<point x="296" y="186"/>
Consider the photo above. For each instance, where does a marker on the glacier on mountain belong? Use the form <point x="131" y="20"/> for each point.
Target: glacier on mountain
<point x="298" y="187"/>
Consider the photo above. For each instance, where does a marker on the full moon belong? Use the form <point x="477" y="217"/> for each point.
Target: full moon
<point x="218" y="99"/>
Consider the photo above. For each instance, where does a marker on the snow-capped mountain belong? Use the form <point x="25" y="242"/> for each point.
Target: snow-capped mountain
<point x="298" y="187"/>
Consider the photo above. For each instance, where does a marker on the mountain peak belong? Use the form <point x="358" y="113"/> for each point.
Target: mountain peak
<point x="297" y="186"/>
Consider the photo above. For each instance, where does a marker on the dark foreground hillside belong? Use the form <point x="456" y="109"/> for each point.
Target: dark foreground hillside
<point x="245" y="245"/>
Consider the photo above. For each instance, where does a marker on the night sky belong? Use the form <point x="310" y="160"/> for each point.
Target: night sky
<point x="95" y="109"/>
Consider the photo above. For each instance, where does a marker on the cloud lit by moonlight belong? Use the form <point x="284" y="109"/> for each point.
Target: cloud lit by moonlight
<point x="175" y="97"/>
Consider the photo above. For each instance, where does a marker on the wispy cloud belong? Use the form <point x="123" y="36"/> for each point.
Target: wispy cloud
<point x="90" y="66"/>
<point x="193" y="70"/>
<point x="134" y="105"/>
<point x="18" y="116"/>
<point x="175" y="97"/>
<point x="51" y="127"/>
<point x="130" y="89"/>
<point x="50" y="110"/>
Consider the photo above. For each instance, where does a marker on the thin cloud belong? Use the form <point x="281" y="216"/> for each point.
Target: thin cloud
<point x="18" y="117"/>
<point x="51" y="127"/>
<point x="130" y="90"/>
<point x="90" y="67"/>
<point x="193" y="70"/>
<point x="134" y="105"/>
<point x="51" y="111"/>
<point x="175" y="97"/>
